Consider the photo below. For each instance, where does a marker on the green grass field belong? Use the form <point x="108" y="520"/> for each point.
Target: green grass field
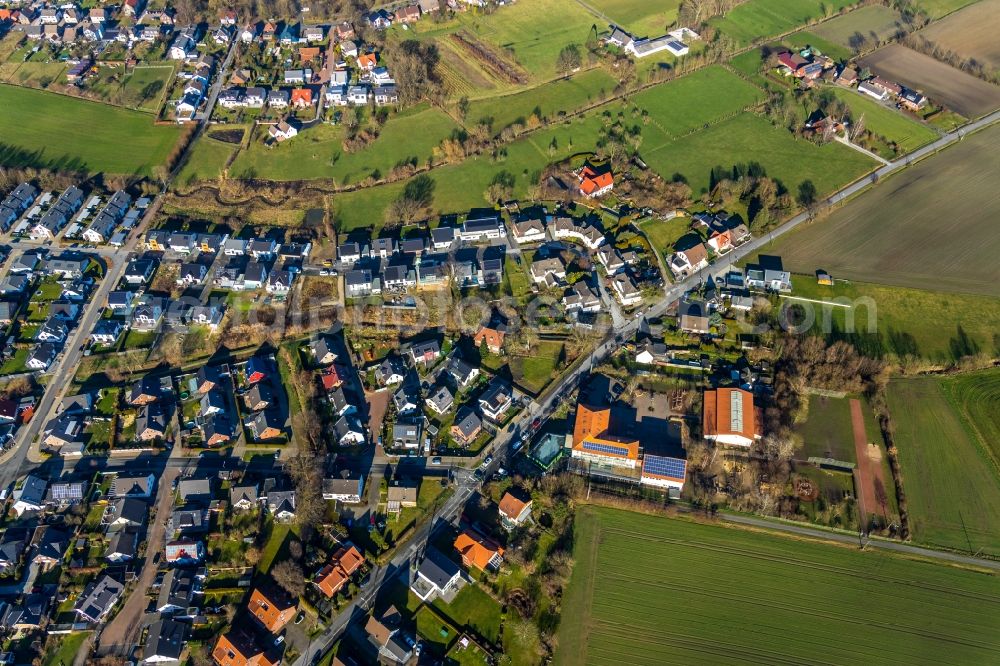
<point x="535" y="372"/>
<point x="881" y="20"/>
<point x="976" y="396"/>
<point x="67" y="647"/>
<point x="748" y="138"/>
<point x="317" y="152"/>
<point x="893" y="125"/>
<point x="143" y="88"/>
<point x="938" y="8"/>
<point x="827" y="431"/>
<point x="641" y="17"/>
<point x="475" y="609"/>
<point x="652" y="590"/>
<point x="206" y="160"/>
<point x="907" y="321"/>
<point x="562" y="95"/>
<point x="695" y="100"/>
<point x="952" y="486"/>
<point x="60" y="132"/>
<point x="752" y="21"/>
<point x="805" y="38"/>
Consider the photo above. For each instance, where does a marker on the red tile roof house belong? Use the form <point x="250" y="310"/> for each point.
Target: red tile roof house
<point x="595" y="182"/>
<point x="302" y="98"/>
<point x="332" y="577"/>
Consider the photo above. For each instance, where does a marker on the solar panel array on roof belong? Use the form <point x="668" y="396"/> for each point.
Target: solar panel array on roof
<point x="673" y="468"/>
<point x="605" y="448"/>
<point x="735" y="411"/>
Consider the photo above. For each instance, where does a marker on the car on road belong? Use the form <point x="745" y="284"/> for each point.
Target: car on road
<point x="279" y="640"/>
<point x="324" y="272"/>
<point x="518" y="444"/>
<point x="436" y="460"/>
<point x="488" y="461"/>
<point x="327" y="263"/>
<point x="536" y="424"/>
<point x="298" y="618"/>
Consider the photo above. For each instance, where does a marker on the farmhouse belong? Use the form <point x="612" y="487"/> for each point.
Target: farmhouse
<point x="729" y="417"/>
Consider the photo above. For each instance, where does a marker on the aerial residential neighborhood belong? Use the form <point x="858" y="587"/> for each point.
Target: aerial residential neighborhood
<point x="481" y="332"/>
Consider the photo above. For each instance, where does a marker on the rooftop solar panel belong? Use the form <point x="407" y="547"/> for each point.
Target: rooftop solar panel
<point x="605" y="448"/>
<point x="662" y="466"/>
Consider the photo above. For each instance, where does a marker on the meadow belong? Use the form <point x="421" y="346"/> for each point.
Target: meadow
<point x="922" y="228"/>
<point x="827" y="431"/>
<point x="550" y="99"/>
<point x="56" y="131"/>
<point x="895" y="126"/>
<point x="749" y="137"/>
<point x="640" y="17"/>
<point x="932" y="325"/>
<point x="970" y="32"/>
<point x="753" y="21"/>
<point x="938" y="8"/>
<point x="863" y="21"/>
<point x="318" y="153"/>
<point x="206" y="160"/>
<point x="696" y="100"/>
<point x="976" y="396"/>
<point x="653" y="590"/>
<point x="960" y="92"/>
<point x="952" y="485"/>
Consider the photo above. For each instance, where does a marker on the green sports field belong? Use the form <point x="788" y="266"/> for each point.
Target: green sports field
<point x="56" y="131"/>
<point x="652" y="590"/>
<point x="952" y="483"/>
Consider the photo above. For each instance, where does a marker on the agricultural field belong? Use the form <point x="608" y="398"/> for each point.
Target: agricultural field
<point x="696" y="100"/>
<point x="887" y="320"/>
<point x="960" y="92"/>
<point x="921" y="228"/>
<point x="318" y="153"/>
<point x="969" y="32"/>
<point x="854" y="29"/>
<point x="939" y="8"/>
<point x="653" y="590"/>
<point x="749" y="137"/>
<point x="550" y="99"/>
<point x="49" y="134"/>
<point x="976" y="396"/>
<point x="951" y="482"/>
<point x="753" y="21"/>
<point x="639" y="17"/>
<point x="902" y="129"/>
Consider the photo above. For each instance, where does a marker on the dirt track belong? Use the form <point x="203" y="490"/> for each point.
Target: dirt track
<point x="868" y="469"/>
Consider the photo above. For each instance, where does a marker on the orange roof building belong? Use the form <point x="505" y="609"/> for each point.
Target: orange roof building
<point x="367" y="61"/>
<point x="513" y="511"/>
<point x="595" y="182"/>
<point x="302" y="97"/>
<point x="271" y="607"/>
<point x="238" y="648"/>
<point x="594" y="441"/>
<point x="493" y="334"/>
<point x="309" y="54"/>
<point x="478" y="551"/>
<point x="730" y="417"/>
<point x="331" y="578"/>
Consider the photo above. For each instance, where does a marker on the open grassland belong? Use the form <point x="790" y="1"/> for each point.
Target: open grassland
<point x="883" y="320"/>
<point x="970" y="32"/>
<point x="806" y="38"/>
<point x="976" y="396"/>
<point x="318" y="152"/>
<point x="952" y="486"/>
<point x="895" y="126"/>
<point x="752" y="138"/>
<point x="206" y="160"/>
<point x="845" y="30"/>
<point x="960" y="92"/>
<point x="694" y="101"/>
<point x="653" y="590"/>
<point x="640" y="17"/>
<point x="143" y="88"/>
<point x="938" y="8"/>
<point x="922" y="228"/>
<point x="755" y="20"/>
<point x="547" y="100"/>
<point x="56" y="131"/>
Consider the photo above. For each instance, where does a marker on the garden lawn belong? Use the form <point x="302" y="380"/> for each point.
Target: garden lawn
<point x="474" y="609"/>
<point x="662" y="234"/>
<point x="893" y="125"/>
<point x="652" y="590"/>
<point x="51" y="134"/>
<point x="318" y="152"/>
<point x="952" y="485"/>
<point x="693" y="101"/>
<point x="67" y="647"/>
<point x="535" y="372"/>
<point x="752" y="138"/>
<point x="755" y="20"/>
<point x="437" y="633"/>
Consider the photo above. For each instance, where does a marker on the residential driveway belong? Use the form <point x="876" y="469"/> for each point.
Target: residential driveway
<point x="123" y="632"/>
